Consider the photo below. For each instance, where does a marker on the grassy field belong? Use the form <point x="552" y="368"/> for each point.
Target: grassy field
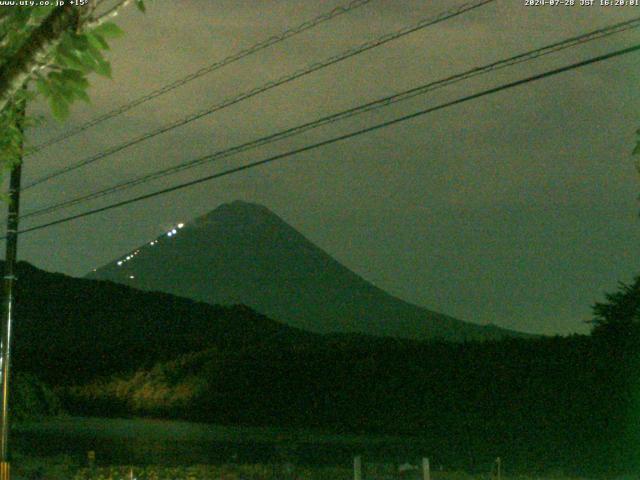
<point x="65" y="468"/>
<point x="207" y="472"/>
<point x="67" y="471"/>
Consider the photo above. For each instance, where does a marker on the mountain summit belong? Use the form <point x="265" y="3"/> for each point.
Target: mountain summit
<point x="242" y="253"/>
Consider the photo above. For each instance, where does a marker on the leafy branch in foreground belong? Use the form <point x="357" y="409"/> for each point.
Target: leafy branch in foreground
<point x="58" y="48"/>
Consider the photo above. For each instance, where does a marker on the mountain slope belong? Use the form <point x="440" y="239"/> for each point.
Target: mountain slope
<point x="242" y="253"/>
<point x="71" y="330"/>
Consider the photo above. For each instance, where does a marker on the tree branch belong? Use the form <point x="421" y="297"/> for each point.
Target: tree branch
<point x="17" y="69"/>
<point x="108" y="15"/>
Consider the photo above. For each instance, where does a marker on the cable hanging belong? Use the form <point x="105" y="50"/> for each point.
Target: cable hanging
<point x="303" y="27"/>
<point x="370" y="106"/>
<point x="268" y="86"/>
<point x="332" y="140"/>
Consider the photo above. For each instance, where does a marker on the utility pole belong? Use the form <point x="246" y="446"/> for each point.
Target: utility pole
<point x="8" y="310"/>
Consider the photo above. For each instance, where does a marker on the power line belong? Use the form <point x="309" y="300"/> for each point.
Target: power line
<point x="339" y="138"/>
<point x="383" y="102"/>
<point x="268" y="86"/>
<point x="291" y="32"/>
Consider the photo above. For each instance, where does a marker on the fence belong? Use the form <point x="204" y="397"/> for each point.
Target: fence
<point x="417" y="470"/>
<point x="391" y="471"/>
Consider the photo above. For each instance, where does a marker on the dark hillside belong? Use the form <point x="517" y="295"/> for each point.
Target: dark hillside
<point x="541" y="404"/>
<point x="71" y="330"/>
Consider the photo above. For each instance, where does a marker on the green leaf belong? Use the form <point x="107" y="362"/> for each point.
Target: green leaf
<point x="20" y="18"/>
<point x="636" y="151"/>
<point x="103" y="68"/>
<point x="88" y="60"/>
<point x="43" y="87"/>
<point x="108" y="30"/>
<point x="68" y="92"/>
<point x="95" y="53"/>
<point x="75" y="78"/>
<point x="140" y="5"/>
<point x="59" y="107"/>
<point x="66" y="46"/>
<point x="55" y="76"/>
<point x="82" y="95"/>
<point x="78" y="42"/>
<point x="97" y="41"/>
<point x="61" y="90"/>
<point x="71" y="75"/>
<point x="67" y="58"/>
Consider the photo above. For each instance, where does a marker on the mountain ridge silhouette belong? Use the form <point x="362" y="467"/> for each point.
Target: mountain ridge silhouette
<point x="243" y="253"/>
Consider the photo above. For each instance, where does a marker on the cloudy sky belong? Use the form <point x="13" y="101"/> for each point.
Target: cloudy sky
<point x="519" y="208"/>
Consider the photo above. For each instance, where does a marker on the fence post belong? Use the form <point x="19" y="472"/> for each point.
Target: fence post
<point x="426" y="472"/>
<point x="357" y="467"/>
<point x="499" y="467"/>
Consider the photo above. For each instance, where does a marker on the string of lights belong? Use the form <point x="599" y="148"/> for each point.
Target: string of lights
<point x="370" y="106"/>
<point x="291" y="32"/>
<point x="448" y="14"/>
<point x="490" y="91"/>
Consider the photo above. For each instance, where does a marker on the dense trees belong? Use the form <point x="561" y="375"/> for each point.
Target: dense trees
<point x="616" y="335"/>
<point x="620" y="313"/>
<point x="563" y="403"/>
<point x="541" y="404"/>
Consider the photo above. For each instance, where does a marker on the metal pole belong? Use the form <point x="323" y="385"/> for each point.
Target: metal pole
<point x="9" y="281"/>
<point x="357" y="467"/>
<point x="426" y="471"/>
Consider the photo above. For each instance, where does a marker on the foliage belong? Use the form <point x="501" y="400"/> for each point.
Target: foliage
<point x="27" y="466"/>
<point x="31" y="398"/>
<point x="64" y="468"/>
<point x="621" y="311"/>
<point x="209" y="472"/>
<point x="61" y="76"/>
<point x="540" y="403"/>
<point x="77" y="55"/>
<point x="616" y="333"/>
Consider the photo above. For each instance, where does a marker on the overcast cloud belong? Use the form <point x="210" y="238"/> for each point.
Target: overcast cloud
<point x="518" y="209"/>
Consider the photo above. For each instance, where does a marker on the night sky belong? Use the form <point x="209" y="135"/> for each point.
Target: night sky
<point x="518" y="209"/>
